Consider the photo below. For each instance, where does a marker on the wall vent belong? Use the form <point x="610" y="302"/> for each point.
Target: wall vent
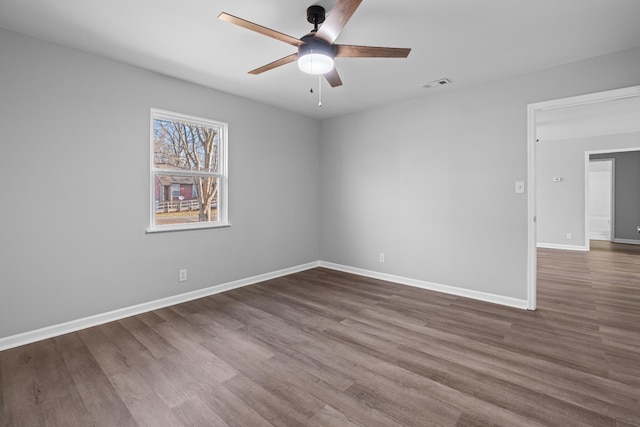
<point x="436" y="83"/>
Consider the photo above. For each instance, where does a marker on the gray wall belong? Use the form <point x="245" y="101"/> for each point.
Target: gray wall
<point x="627" y="192"/>
<point x="74" y="168"/>
<point x="561" y="206"/>
<point x="430" y="181"/>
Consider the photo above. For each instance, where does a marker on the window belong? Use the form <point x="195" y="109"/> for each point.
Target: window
<point x="188" y="172"/>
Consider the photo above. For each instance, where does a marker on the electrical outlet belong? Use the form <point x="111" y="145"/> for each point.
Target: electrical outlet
<point x="183" y="275"/>
<point x="639" y="229"/>
<point x="569" y="236"/>
<point x="381" y="257"/>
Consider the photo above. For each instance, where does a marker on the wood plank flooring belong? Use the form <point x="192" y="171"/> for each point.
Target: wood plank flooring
<point x="323" y="348"/>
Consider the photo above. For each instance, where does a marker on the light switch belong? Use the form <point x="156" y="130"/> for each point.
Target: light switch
<point x="519" y="186"/>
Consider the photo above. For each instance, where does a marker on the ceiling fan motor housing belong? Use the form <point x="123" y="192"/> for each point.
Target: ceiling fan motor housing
<point x="315" y="15"/>
<point x="316" y="45"/>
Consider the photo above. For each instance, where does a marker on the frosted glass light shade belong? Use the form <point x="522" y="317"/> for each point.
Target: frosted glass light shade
<point x="315" y="62"/>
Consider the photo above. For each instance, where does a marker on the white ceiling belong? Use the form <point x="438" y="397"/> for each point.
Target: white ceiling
<point x="470" y="42"/>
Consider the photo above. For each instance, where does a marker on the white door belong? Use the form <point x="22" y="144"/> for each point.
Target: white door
<point x="600" y="203"/>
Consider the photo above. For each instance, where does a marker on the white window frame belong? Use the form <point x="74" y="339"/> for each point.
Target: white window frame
<point x="221" y="175"/>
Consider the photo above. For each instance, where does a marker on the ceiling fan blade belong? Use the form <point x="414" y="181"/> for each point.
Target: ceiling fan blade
<point x="351" y="51"/>
<point x="336" y="20"/>
<point x="333" y="78"/>
<point x="275" y="64"/>
<point x="260" y="29"/>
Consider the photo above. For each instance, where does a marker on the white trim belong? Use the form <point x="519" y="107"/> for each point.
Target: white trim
<point x="589" y="98"/>
<point x="627" y="241"/>
<point x="532" y="234"/>
<point x="564" y="247"/>
<point x="613" y="150"/>
<point x="452" y="290"/>
<point x="193" y="226"/>
<point x="98" y="319"/>
<point x="532" y="109"/>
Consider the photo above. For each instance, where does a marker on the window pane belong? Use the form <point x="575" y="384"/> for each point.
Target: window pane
<point x="185" y="146"/>
<point x="196" y="199"/>
<point x="188" y="172"/>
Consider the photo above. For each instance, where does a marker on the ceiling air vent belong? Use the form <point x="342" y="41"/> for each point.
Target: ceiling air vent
<point x="436" y="83"/>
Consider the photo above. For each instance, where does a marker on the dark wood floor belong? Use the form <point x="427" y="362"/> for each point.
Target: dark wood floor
<point x="322" y="348"/>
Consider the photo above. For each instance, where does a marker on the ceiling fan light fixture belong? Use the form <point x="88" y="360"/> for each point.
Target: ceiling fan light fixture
<point x="315" y="58"/>
<point x="317" y="49"/>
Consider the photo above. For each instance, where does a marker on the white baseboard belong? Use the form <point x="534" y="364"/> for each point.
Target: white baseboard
<point x="627" y="241"/>
<point x="98" y="319"/>
<point x="452" y="290"/>
<point x="563" y="247"/>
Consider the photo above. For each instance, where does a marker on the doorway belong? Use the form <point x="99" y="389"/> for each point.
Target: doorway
<point x="533" y="110"/>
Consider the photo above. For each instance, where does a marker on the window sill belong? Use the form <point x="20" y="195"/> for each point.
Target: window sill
<point x="169" y="228"/>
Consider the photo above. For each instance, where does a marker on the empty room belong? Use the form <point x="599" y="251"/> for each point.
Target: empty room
<point x="333" y="213"/>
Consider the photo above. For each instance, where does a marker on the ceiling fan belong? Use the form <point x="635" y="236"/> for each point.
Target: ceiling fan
<point x="317" y="50"/>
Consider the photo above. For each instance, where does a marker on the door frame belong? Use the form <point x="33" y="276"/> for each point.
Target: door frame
<point x="532" y="110"/>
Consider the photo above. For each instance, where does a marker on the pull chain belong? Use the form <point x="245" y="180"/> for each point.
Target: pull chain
<point x="319" y="91"/>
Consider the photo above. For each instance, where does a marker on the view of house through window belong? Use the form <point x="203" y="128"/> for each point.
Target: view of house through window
<point x="188" y="172"/>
